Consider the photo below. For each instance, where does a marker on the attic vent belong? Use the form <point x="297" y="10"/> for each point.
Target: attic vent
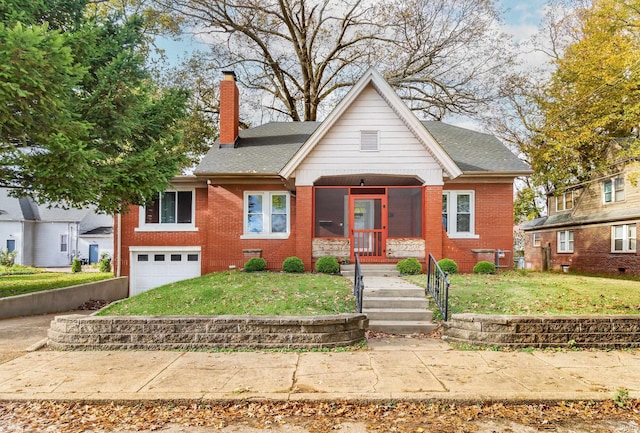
<point x="369" y="140"/>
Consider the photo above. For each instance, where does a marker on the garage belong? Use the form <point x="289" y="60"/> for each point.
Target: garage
<point x="151" y="268"/>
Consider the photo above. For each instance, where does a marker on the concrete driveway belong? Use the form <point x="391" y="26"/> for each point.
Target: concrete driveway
<point x="20" y="335"/>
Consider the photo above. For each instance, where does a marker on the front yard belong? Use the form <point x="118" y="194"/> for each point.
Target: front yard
<point x="241" y="293"/>
<point x="536" y="293"/>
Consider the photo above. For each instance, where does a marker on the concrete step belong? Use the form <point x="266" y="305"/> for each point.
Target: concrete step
<point x="394" y="302"/>
<point x="402" y="327"/>
<point x="393" y="292"/>
<point x="372" y="270"/>
<point x="398" y="314"/>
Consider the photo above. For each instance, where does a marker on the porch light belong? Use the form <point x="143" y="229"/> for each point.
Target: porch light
<point x="361" y="182"/>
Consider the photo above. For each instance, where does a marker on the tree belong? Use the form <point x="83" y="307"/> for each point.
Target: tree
<point x="441" y="55"/>
<point x="82" y="121"/>
<point x="592" y="98"/>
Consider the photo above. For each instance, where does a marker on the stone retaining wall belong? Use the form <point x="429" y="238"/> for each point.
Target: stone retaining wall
<point x="544" y="331"/>
<point x="76" y="332"/>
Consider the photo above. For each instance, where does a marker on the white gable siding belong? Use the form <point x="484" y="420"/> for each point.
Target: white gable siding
<point x="47" y="250"/>
<point x="12" y="230"/>
<point x="339" y="153"/>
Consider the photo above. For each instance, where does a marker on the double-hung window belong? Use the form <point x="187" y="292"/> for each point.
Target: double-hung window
<point x="623" y="238"/>
<point x="613" y="190"/>
<point x="565" y="241"/>
<point x="564" y="201"/>
<point x="266" y="214"/>
<point x="64" y="243"/>
<point x="169" y="211"/>
<point x="458" y="213"/>
<point x="536" y="239"/>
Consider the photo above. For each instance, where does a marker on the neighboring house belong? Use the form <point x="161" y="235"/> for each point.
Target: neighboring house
<point x="370" y="179"/>
<point x="589" y="228"/>
<point x="46" y="236"/>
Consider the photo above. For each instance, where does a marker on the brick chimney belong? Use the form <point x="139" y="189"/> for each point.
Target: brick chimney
<point x="229" y="109"/>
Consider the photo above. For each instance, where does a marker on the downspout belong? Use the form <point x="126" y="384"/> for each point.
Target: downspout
<point x="119" y="245"/>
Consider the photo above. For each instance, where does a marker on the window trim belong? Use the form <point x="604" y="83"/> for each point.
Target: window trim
<point x="266" y="212"/>
<point x="452" y="214"/>
<point x="625" y="239"/>
<point x="612" y="181"/>
<point x="536" y="240"/>
<point x="144" y="226"/>
<point x="64" y="241"/>
<point x="569" y="234"/>
<point x="562" y="199"/>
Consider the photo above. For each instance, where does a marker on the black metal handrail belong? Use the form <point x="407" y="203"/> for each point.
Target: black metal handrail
<point x="358" y="285"/>
<point x="438" y="286"/>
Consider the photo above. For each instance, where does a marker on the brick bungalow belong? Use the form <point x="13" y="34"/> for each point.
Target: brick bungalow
<point x="370" y="179"/>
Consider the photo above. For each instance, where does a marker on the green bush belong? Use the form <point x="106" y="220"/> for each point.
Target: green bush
<point x="328" y="265"/>
<point x="293" y="265"/>
<point x="105" y="265"/>
<point x="484" y="267"/>
<point x="76" y="266"/>
<point x="255" y="264"/>
<point x="7" y="258"/>
<point x="409" y="266"/>
<point x="448" y="266"/>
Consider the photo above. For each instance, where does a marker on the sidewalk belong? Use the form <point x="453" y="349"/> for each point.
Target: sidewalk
<point x="390" y="369"/>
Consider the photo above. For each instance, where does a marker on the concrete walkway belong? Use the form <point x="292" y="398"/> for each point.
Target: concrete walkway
<point x="401" y="368"/>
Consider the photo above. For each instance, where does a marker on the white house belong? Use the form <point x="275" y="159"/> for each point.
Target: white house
<point x="50" y="236"/>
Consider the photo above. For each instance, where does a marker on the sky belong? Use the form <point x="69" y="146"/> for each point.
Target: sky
<point x="521" y="20"/>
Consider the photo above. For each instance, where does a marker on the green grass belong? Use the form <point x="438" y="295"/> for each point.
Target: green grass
<point x="537" y="293"/>
<point x="20" y="284"/>
<point x="240" y="293"/>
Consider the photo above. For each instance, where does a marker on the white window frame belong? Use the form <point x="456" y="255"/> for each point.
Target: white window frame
<point x="143" y="226"/>
<point x="561" y="201"/>
<point x="614" y="190"/>
<point x="565" y="245"/>
<point x="536" y="241"/>
<point x="266" y="216"/>
<point x="452" y="214"/>
<point x="626" y="237"/>
<point x="64" y="243"/>
<point x="369" y="141"/>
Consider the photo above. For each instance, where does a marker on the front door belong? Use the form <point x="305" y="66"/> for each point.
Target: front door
<point x="93" y="253"/>
<point x="368" y="232"/>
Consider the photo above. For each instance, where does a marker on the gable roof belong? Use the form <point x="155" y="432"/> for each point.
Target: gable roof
<point x="277" y="148"/>
<point x="374" y="78"/>
<point x="475" y="151"/>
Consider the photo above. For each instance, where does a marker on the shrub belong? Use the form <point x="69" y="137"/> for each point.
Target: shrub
<point x="293" y="265"/>
<point x="448" y="266"/>
<point x="105" y="265"/>
<point x="327" y="265"/>
<point x="255" y="264"/>
<point x="7" y="258"/>
<point x="484" y="267"/>
<point x="409" y="266"/>
<point x="76" y="266"/>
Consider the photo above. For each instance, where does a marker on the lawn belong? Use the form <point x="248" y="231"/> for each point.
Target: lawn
<point x="20" y="284"/>
<point x="537" y="293"/>
<point x="241" y="293"/>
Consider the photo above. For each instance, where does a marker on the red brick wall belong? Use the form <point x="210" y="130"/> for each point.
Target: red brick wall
<point x="229" y="110"/>
<point x="130" y="237"/>
<point x="591" y="252"/>
<point x="226" y="227"/>
<point x="433" y="230"/>
<point x="493" y="224"/>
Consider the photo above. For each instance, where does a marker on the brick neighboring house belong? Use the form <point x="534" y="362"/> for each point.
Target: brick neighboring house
<point x="371" y="178"/>
<point x="590" y="228"/>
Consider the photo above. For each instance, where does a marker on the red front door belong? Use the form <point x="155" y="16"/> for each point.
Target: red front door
<point x="368" y="226"/>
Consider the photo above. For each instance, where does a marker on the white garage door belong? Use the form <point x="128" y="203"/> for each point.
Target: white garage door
<point x="150" y="269"/>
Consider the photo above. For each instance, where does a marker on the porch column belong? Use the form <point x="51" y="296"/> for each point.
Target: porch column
<point x="433" y="221"/>
<point x="304" y="224"/>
